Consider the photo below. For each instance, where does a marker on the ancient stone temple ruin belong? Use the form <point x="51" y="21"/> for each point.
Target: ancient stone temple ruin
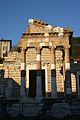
<point x="42" y="66"/>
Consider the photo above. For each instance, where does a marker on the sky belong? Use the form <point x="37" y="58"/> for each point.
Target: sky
<point x="14" y="15"/>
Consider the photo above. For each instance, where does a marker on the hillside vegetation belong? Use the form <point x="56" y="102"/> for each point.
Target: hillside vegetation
<point x="76" y="48"/>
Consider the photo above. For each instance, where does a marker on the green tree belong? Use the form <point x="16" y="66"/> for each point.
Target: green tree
<point x="76" y="48"/>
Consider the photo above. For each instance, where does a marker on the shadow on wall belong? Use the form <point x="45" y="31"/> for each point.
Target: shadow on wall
<point x="9" y="88"/>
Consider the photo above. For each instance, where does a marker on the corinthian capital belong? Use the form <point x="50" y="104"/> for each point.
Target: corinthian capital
<point x="67" y="46"/>
<point x="38" y="49"/>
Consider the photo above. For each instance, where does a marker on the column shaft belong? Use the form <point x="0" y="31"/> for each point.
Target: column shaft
<point x="68" y="73"/>
<point x="38" y="77"/>
<point x="23" y="68"/>
<point x="23" y="76"/>
<point x="53" y="73"/>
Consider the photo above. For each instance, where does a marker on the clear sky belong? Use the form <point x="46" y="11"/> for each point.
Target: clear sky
<point x="14" y="15"/>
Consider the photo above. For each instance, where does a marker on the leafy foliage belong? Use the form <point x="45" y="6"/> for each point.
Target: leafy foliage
<point x="76" y="48"/>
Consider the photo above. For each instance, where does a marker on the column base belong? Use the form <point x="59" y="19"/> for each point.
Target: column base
<point x="22" y="99"/>
<point x="30" y="100"/>
<point x="54" y="96"/>
<point x="68" y="91"/>
<point x="38" y="99"/>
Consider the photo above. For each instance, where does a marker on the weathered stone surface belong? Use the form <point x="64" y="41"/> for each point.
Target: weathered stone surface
<point x="2" y="110"/>
<point x="14" y="110"/>
<point x="31" y="109"/>
<point x="75" y="108"/>
<point x="59" y="110"/>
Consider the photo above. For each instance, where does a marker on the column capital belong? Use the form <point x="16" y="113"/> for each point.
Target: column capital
<point x="52" y="47"/>
<point x="38" y="48"/>
<point x="52" y="50"/>
<point x="67" y="46"/>
<point x="22" y="49"/>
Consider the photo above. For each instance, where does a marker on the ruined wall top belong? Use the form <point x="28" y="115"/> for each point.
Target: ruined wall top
<point x="38" y="26"/>
<point x="39" y="32"/>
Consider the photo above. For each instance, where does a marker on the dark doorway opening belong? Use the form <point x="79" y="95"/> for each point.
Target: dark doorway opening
<point x="33" y="81"/>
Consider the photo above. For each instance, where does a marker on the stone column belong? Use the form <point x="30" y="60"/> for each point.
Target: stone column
<point x="38" y="77"/>
<point x="53" y="73"/>
<point x="23" y="76"/>
<point x="8" y="90"/>
<point x="67" y="72"/>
